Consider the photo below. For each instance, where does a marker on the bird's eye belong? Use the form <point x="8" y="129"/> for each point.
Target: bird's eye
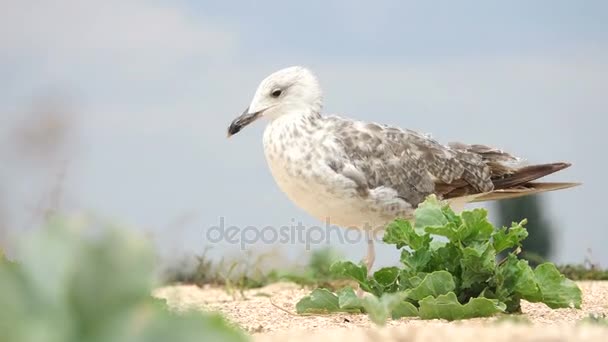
<point x="276" y="93"/>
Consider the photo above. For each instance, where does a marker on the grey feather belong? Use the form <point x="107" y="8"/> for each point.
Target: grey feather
<point x="413" y="164"/>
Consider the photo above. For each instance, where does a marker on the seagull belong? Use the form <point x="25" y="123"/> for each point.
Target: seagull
<point x="362" y="175"/>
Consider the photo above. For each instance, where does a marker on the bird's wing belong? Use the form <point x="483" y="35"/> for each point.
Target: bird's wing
<point x="413" y="164"/>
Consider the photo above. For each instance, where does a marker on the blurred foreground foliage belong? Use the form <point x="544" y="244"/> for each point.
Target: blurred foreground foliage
<point x="595" y="319"/>
<point x="72" y="284"/>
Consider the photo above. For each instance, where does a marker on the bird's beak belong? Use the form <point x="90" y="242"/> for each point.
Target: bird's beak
<point x="245" y="119"/>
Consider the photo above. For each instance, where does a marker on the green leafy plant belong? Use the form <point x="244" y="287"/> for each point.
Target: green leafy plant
<point x="73" y="285"/>
<point x="453" y="277"/>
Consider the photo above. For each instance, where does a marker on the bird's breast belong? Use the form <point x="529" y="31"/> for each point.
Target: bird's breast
<point x="290" y="156"/>
<point x="297" y="163"/>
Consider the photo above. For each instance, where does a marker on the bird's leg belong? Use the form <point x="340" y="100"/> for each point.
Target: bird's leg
<point x="369" y="262"/>
<point x="371" y="255"/>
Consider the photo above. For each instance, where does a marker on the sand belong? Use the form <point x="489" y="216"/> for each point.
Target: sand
<point x="268" y="314"/>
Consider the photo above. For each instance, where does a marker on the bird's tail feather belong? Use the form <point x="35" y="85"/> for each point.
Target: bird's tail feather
<point x="527" y="174"/>
<point x="530" y="188"/>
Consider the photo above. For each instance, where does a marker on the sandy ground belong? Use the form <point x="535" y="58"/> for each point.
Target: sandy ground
<point x="268" y="314"/>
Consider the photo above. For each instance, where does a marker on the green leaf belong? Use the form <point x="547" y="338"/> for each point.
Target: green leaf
<point x="433" y="213"/>
<point x="323" y="301"/>
<point x="387" y="278"/>
<point x="478" y="263"/>
<point x="525" y="283"/>
<point x="349" y="269"/>
<point x="376" y="310"/>
<point x="557" y="291"/>
<point x="401" y="233"/>
<point x="449" y="230"/>
<point x="320" y="301"/>
<point x="434" y="284"/>
<point x="348" y="300"/>
<point x="447" y="307"/>
<point x="447" y="258"/>
<point x="508" y="238"/>
<point x="409" y="280"/>
<point x="475" y="226"/>
<point x="416" y="261"/>
<point x="389" y="305"/>
<point x="404" y="309"/>
<point x="515" y="280"/>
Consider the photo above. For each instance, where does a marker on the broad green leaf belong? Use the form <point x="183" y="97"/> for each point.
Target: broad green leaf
<point x="451" y="216"/>
<point x="348" y="300"/>
<point x="525" y="284"/>
<point x="447" y="307"/>
<point x="449" y="230"/>
<point x="401" y="233"/>
<point x="409" y="280"/>
<point x="478" y="263"/>
<point x="416" y="261"/>
<point x="434" y="284"/>
<point x="504" y="238"/>
<point x="355" y="272"/>
<point x="430" y="213"/>
<point x="379" y="310"/>
<point x="375" y="310"/>
<point x="436" y="244"/>
<point x="475" y="226"/>
<point x="404" y="309"/>
<point x="349" y="269"/>
<point x="514" y="280"/>
<point x="323" y="301"/>
<point x="557" y="291"/>
<point x="446" y="258"/>
<point x="387" y="278"/>
<point x="318" y="302"/>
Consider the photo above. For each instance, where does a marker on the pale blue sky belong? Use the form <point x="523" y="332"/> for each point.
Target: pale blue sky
<point x="155" y="84"/>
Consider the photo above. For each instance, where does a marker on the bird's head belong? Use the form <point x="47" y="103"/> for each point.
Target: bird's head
<point x="294" y="90"/>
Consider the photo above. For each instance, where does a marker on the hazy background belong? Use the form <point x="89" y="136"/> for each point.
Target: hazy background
<point x="120" y="108"/>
